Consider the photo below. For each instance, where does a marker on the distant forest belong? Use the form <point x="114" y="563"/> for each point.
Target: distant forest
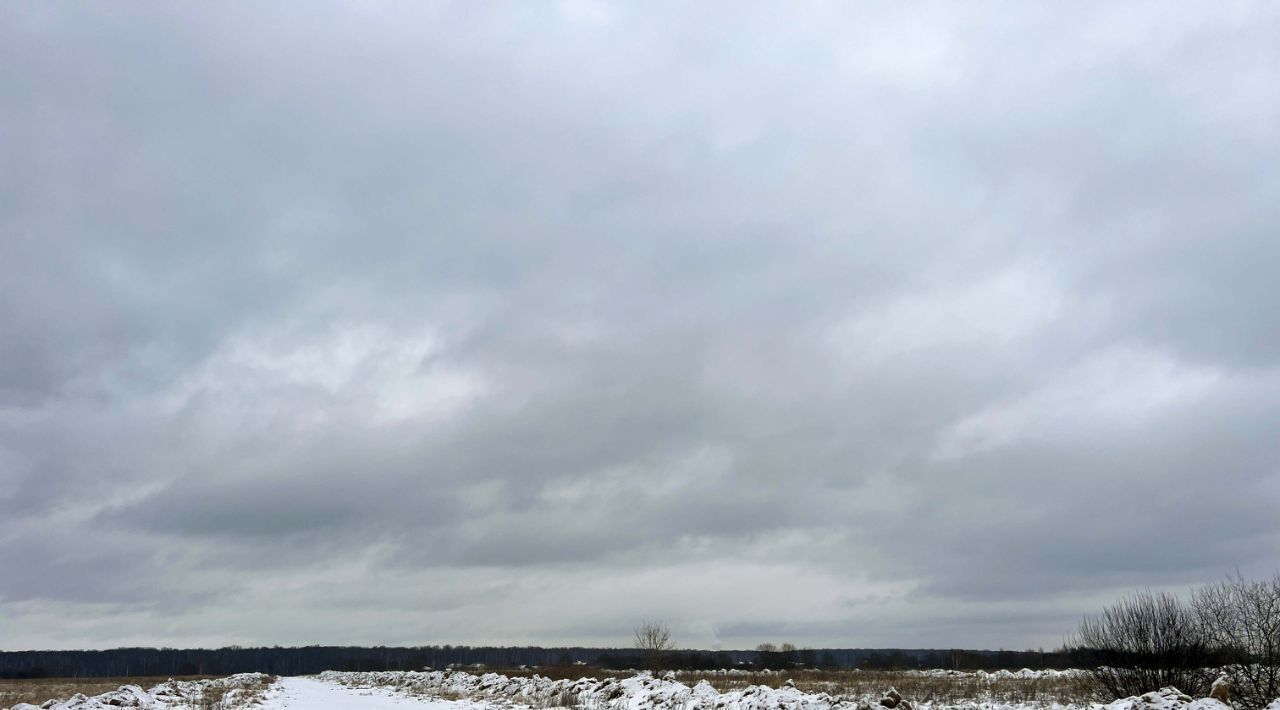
<point x="122" y="662"/>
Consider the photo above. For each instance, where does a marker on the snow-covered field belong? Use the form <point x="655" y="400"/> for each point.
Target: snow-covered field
<point x="436" y="690"/>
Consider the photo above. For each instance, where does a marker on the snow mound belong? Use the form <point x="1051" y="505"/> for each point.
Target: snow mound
<point x="645" y="692"/>
<point x="641" y="692"/>
<point x="169" y="695"/>
<point x="127" y="696"/>
<point x="1169" y="698"/>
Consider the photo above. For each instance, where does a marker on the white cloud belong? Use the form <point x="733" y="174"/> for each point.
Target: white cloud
<point x="1112" y="389"/>
<point x="989" y="314"/>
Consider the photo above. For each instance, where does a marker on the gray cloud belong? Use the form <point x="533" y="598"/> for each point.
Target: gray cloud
<point x="846" y="326"/>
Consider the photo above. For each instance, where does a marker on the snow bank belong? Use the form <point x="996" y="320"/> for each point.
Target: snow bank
<point x="128" y="696"/>
<point x="645" y="692"/>
<point x="641" y="692"/>
<point x="169" y="695"/>
<point x="1165" y="699"/>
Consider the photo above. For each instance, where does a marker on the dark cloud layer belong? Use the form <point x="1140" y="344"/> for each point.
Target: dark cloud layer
<point x="849" y="325"/>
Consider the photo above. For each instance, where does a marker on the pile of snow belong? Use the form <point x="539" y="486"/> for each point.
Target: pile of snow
<point x="641" y="692"/>
<point x="127" y="696"/>
<point x="645" y="692"/>
<point x="1165" y="699"/>
<point x="169" y="695"/>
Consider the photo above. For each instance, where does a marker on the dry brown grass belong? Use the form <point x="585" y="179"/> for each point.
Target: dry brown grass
<point x="212" y="697"/>
<point x="243" y="695"/>
<point x="38" y="690"/>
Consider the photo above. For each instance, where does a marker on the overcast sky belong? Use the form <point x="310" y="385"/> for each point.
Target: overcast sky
<point x="838" y="324"/>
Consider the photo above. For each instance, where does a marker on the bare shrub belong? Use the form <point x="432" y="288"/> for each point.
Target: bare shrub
<point x="1148" y="640"/>
<point x="1241" y="619"/>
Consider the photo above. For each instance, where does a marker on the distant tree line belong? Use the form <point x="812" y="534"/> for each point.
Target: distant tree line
<point x="671" y="660"/>
<point x="123" y="662"/>
<point x="970" y="660"/>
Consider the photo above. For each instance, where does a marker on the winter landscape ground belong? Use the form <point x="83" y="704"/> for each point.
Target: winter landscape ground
<point x="437" y="690"/>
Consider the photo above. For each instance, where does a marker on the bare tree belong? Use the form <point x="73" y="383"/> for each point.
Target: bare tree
<point x="1241" y="619"/>
<point x="1145" y="642"/>
<point x="653" y="639"/>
